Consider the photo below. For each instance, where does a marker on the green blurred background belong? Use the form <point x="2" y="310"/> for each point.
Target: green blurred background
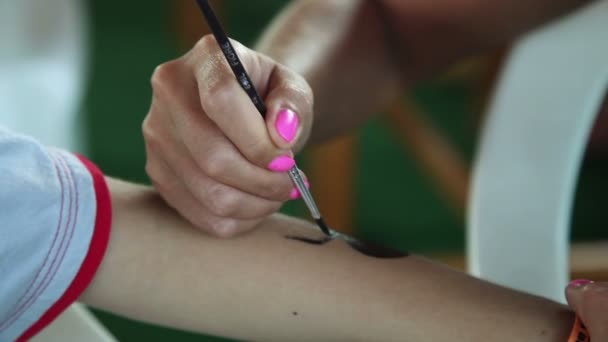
<point x="396" y="203"/>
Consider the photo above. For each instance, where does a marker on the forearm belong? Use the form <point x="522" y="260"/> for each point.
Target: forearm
<point x="264" y="287"/>
<point x="434" y="35"/>
<point x="357" y="54"/>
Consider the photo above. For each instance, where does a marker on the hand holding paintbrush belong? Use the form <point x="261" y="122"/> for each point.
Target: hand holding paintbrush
<point x="245" y="82"/>
<point x="210" y="153"/>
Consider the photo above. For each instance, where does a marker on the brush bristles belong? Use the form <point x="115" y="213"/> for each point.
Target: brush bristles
<point x="323" y="226"/>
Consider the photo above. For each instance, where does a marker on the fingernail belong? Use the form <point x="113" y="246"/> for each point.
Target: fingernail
<point x="287" y="124"/>
<point x="281" y="164"/>
<point x="580" y="282"/>
<point x="295" y="193"/>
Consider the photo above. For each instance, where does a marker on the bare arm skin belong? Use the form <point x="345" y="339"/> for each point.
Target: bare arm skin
<point x="264" y="287"/>
<point x="356" y="54"/>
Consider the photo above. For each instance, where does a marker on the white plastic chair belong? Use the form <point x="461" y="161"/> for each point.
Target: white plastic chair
<point x="43" y="53"/>
<point x="76" y="324"/>
<point x="530" y="153"/>
<point x="42" y="77"/>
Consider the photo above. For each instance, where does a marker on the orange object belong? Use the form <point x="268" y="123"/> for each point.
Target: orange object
<point x="579" y="332"/>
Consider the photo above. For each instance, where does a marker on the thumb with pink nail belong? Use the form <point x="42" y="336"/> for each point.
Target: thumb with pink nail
<point x="589" y="300"/>
<point x="210" y="154"/>
<point x="290" y="111"/>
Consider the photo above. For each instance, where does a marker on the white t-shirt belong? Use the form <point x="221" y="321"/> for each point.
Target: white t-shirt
<point x="55" y="218"/>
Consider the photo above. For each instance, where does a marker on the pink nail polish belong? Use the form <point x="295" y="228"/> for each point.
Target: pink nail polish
<point x="580" y="282"/>
<point x="295" y="194"/>
<point x="287" y="124"/>
<point x="281" y="164"/>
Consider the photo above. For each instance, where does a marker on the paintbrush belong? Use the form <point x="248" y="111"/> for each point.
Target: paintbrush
<point x="244" y="80"/>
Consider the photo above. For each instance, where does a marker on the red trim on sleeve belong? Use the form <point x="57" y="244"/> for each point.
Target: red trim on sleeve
<point x="97" y="248"/>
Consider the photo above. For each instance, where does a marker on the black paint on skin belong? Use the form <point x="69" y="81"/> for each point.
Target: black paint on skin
<point x="367" y="248"/>
<point x="311" y="241"/>
<point x="364" y="247"/>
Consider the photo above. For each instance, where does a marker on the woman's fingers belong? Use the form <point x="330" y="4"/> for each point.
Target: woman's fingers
<point x="590" y="301"/>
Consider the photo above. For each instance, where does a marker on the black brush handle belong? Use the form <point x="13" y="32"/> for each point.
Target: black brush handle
<point x="231" y="56"/>
<point x="243" y="78"/>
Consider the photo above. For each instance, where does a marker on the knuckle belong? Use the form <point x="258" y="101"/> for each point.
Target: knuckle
<point x="163" y="190"/>
<point x="151" y="139"/>
<point x="270" y="209"/>
<point x="215" y="164"/>
<point x="216" y="81"/>
<point x="201" y="221"/>
<point x="147" y="126"/>
<point x="222" y="200"/>
<point x="214" y="169"/>
<point x="206" y="43"/>
<point x="216" y="90"/>
<point x="151" y="170"/>
<point x="280" y="190"/>
<point x="223" y="228"/>
<point x="165" y="78"/>
<point x="257" y="151"/>
<point x="162" y="75"/>
<point x="158" y="177"/>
